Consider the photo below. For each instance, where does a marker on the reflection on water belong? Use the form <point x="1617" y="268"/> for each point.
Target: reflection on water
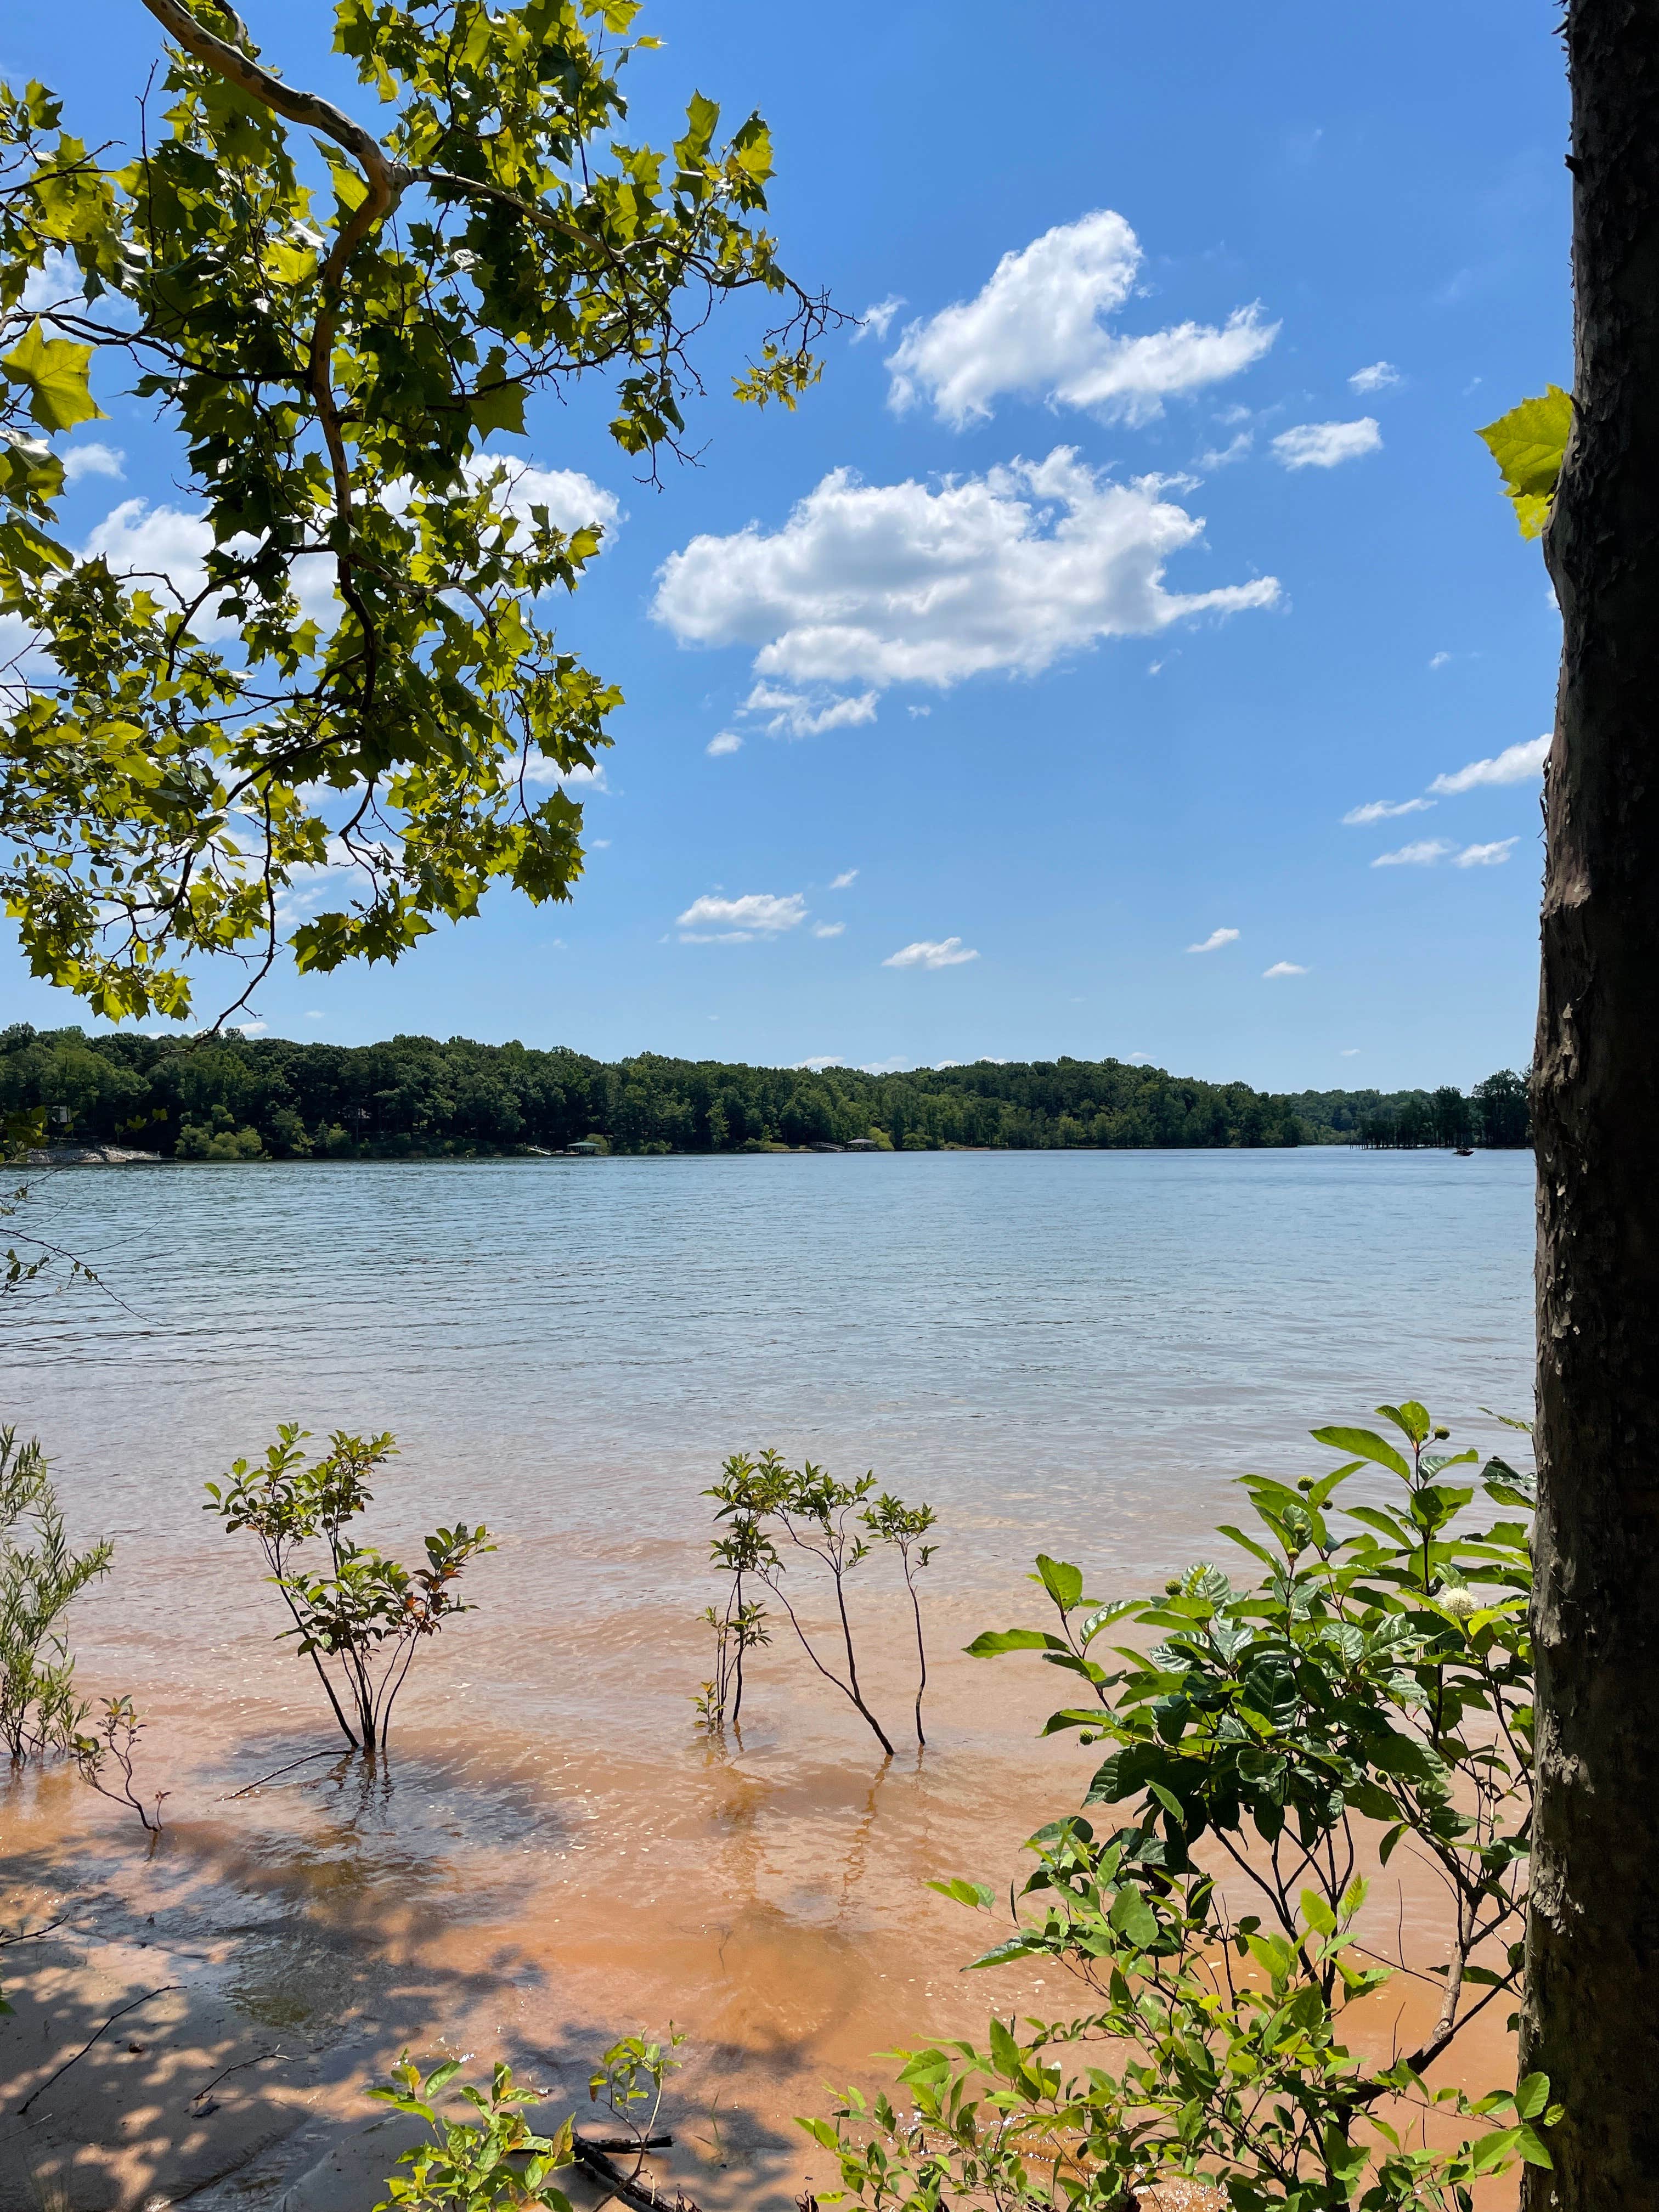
<point x="1069" y="1351"/>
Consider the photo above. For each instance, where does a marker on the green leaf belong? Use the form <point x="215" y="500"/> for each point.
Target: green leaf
<point x="1064" y="1583"/>
<point x="1134" y="1919"/>
<point x="56" y="373"/>
<point x="1410" y="1419"/>
<point x="965" y="1892"/>
<point x="1364" y="1444"/>
<point x="1529" y="444"/>
<point x="1532" y="2095"/>
<point x="993" y="1641"/>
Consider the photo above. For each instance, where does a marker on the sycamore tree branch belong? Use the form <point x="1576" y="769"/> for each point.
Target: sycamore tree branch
<point x="241" y="69"/>
<point x="385" y="179"/>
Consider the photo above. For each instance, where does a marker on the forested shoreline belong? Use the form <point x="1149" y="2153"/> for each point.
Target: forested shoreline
<point x="242" y="1098"/>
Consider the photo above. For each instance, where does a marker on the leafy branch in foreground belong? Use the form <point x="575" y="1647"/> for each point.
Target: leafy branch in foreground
<point x="496" y="2163"/>
<point x="464" y="2165"/>
<point x="365" y="1616"/>
<point x="1368" y="1688"/>
<point x="348" y="680"/>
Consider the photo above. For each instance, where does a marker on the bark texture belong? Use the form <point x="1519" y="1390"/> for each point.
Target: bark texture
<point x="1591" y="2020"/>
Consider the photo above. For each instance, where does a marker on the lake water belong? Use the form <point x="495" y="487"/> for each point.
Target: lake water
<point x="1071" y="1352"/>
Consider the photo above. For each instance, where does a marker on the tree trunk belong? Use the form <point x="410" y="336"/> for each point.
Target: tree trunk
<point x="1591" y="2020"/>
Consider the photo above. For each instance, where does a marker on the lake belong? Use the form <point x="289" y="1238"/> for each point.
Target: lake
<point x="1067" y="1352"/>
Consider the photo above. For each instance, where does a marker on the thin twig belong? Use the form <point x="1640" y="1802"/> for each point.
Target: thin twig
<point x="93" y="2038"/>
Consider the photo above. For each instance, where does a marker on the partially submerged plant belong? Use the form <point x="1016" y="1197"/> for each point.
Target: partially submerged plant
<point x="106" y="1760"/>
<point x="1372" y="1685"/>
<point x="890" y="1520"/>
<point x="496" y="2162"/>
<point x="463" y="2165"/>
<point x="365" y="1615"/>
<point x="743" y="1497"/>
<point x="40" y="1711"/>
<point x="832" y="1523"/>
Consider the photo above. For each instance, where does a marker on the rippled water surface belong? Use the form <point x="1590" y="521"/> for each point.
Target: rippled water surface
<point x="1065" y="1351"/>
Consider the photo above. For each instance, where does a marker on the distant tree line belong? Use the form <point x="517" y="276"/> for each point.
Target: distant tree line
<point x="239" y="1097"/>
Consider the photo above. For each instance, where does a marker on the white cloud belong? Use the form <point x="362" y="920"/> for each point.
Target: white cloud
<point x="575" y="782"/>
<point x="1486" y="856"/>
<point x="918" y="714"/>
<point x="807" y="714"/>
<point x="726" y="741"/>
<point x="1138" y="1058"/>
<point x="828" y="928"/>
<point x="1036" y="329"/>
<point x="1422" y="855"/>
<point x="314" y="1014"/>
<point x="93" y="460"/>
<point x="876" y="319"/>
<point x="1283" y="968"/>
<point x="1383" y="810"/>
<point x="1378" y="378"/>
<point x="1515" y="764"/>
<point x="1215" y="940"/>
<point x="841" y="882"/>
<point x="1223" y="457"/>
<point x="571" y="499"/>
<point x="1351" y="1052"/>
<point x="1429" y="850"/>
<point x="712" y="921"/>
<point x="1323" y="444"/>
<point x="164" y="545"/>
<point x="250" y="1029"/>
<point x="947" y="952"/>
<point x="885" y="1066"/>
<point x="884" y="584"/>
<point x="51" y="286"/>
<point x="1438" y="659"/>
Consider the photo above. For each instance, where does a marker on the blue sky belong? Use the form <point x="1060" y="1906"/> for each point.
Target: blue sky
<point x="1096" y="584"/>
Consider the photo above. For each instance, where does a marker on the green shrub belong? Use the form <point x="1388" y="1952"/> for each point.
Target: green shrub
<point x="40" y="1711"/>
<point x="1368" y="1684"/>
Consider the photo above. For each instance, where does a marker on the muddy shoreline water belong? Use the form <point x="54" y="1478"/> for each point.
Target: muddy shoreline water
<point x="1066" y="1353"/>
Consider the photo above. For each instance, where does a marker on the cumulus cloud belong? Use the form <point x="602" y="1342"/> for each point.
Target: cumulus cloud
<point x="1515" y="764"/>
<point x="1215" y="940"/>
<point x="1486" y="856"/>
<point x="1037" y="329"/>
<point x="807" y="713"/>
<point x="572" y="500"/>
<point x="1378" y="378"/>
<point x="93" y="460"/>
<point x="576" y="783"/>
<point x="828" y="928"/>
<point x="714" y="920"/>
<point x="1438" y="659"/>
<point x="1422" y="855"/>
<point x="725" y="741"/>
<point x="841" y="882"/>
<point x="1283" y="968"/>
<point x="1323" y="444"/>
<point x="1383" y="810"/>
<point x="946" y="952"/>
<point x="165" y="546"/>
<point x="877" y="320"/>
<point x="821" y="1060"/>
<point x="882" y="584"/>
